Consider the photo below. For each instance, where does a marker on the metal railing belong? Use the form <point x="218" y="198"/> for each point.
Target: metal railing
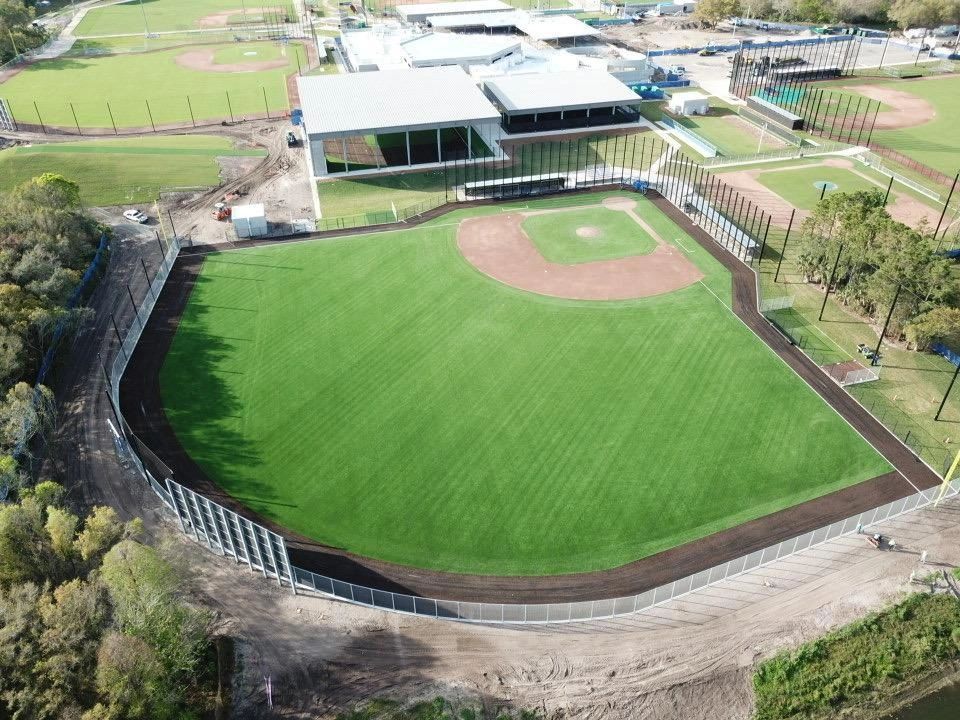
<point x="227" y="533"/>
<point x="872" y="160"/>
<point x="704" y="146"/>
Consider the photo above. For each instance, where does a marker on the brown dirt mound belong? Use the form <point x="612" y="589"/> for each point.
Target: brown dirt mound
<point x="909" y="110"/>
<point x="203" y="60"/>
<point x="499" y="248"/>
<point x="588" y="231"/>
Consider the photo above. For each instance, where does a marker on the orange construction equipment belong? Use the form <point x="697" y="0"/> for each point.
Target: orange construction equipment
<point x="221" y="212"/>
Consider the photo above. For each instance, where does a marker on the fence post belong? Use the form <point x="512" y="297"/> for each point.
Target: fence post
<point x="112" y="121"/>
<point x="783" y="252"/>
<point x="150" y="115"/>
<point x="75" y="121"/>
<point x="265" y="105"/>
<point x="229" y="105"/>
<point x="190" y="108"/>
<point x="830" y="283"/>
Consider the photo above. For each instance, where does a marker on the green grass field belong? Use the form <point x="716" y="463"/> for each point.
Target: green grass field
<point x="122" y="171"/>
<point x="797" y="186"/>
<point x="165" y="15"/>
<point x="934" y="143"/>
<point x="379" y="394"/>
<point x="726" y="130"/>
<point x="128" y="82"/>
<point x="555" y="235"/>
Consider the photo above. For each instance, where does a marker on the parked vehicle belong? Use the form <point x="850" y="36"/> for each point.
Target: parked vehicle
<point x="134" y="215"/>
<point x="292" y="140"/>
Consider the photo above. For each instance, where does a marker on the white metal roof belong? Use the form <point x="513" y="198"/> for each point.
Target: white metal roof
<point x="247" y="212"/>
<point x="391" y="101"/>
<point x="435" y="48"/>
<point x="452" y="8"/>
<point x="691" y="95"/>
<point x="550" y="92"/>
<point x="487" y="20"/>
<point x="555" y="26"/>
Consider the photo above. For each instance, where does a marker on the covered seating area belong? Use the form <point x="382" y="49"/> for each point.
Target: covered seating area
<point x="381" y="121"/>
<point x="562" y="101"/>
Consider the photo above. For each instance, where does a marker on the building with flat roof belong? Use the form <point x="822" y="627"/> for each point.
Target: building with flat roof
<point x="396" y="118"/>
<point x="556" y="27"/>
<point x="561" y="101"/>
<point x="489" y="22"/>
<point x="419" y="13"/>
<point x="438" y="49"/>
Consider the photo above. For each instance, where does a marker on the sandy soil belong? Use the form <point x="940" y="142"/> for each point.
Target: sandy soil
<point x="203" y="60"/>
<point x="498" y="247"/>
<point x="908" y="109"/>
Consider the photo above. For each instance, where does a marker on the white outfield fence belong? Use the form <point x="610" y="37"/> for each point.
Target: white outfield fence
<point x="263" y="551"/>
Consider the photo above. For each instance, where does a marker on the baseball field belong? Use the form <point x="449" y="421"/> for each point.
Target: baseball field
<point x="450" y="397"/>
<point x="127" y="18"/>
<point x="180" y="85"/>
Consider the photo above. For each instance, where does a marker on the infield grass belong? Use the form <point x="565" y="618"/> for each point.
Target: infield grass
<point x="137" y="85"/>
<point x="122" y="171"/>
<point x="617" y="235"/>
<point x="379" y="394"/>
<point x="164" y="15"/>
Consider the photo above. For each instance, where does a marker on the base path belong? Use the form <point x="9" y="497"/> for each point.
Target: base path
<point x="908" y="110"/>
<point x="203" y="60"/>
<point x="498" y="247"/>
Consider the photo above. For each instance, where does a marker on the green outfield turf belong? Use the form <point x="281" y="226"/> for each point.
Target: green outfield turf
<point x="797" y="186"/>
<point x="123" y="171"/>
<point x="167" y="15"/>
<point x="935" y="143"/>
<point x="579" y="236"/>
<point x="379" y="394"/>
<point x="129" y="82"/>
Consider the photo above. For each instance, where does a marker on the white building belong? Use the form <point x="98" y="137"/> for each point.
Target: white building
<point x="249" y="220"/>
<point x="689" y="103"/>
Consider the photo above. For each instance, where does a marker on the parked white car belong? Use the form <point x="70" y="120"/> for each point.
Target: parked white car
<point x="134" y="215"/>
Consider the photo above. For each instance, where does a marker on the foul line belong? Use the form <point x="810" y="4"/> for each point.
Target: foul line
<point x="676" y="241"/>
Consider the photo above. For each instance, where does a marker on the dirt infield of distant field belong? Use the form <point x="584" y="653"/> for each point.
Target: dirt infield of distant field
<point x="908" y="110"/>
<point x="498" y="247"/>
<point x="203" y="60"/>
<point x="222" y="19"/>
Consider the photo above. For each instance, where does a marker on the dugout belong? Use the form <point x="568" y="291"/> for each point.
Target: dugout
<point x="542" y="184"/>
<point x="775" y="113"/>
<point x="547" y="102"/>
<point x="380" y="121"/>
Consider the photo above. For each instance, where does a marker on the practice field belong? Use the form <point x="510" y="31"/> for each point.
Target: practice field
<point x="139" y="85"/>
<point x="800" y="187"/>
<point x="167" y="15"/>
<point x="379" y="394"/>
<point x="117" y="172"/>
<point x="587" y="235"/>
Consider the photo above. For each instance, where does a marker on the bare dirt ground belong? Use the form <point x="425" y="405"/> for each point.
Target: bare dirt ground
<point x="903" y="207"/>
<point x="498" y="247"/>
<point x="908" y="109"/>
<point x="203" y="60"/>
<point x="280" y="181"/>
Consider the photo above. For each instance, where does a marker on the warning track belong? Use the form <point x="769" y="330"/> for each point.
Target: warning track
<point x="142" y="406"/>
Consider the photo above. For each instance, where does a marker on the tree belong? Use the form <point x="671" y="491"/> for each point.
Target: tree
<point x="712" y="12"/>
<point x="17" y="32"/>
<point x="918" y="13"/>
<point x="940" y="325"/>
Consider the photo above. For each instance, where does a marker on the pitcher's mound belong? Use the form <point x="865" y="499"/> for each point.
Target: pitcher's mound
<point x="588" y="232"/>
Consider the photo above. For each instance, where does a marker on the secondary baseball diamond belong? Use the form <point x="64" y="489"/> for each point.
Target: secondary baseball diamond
<point x="389" y="395"/>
